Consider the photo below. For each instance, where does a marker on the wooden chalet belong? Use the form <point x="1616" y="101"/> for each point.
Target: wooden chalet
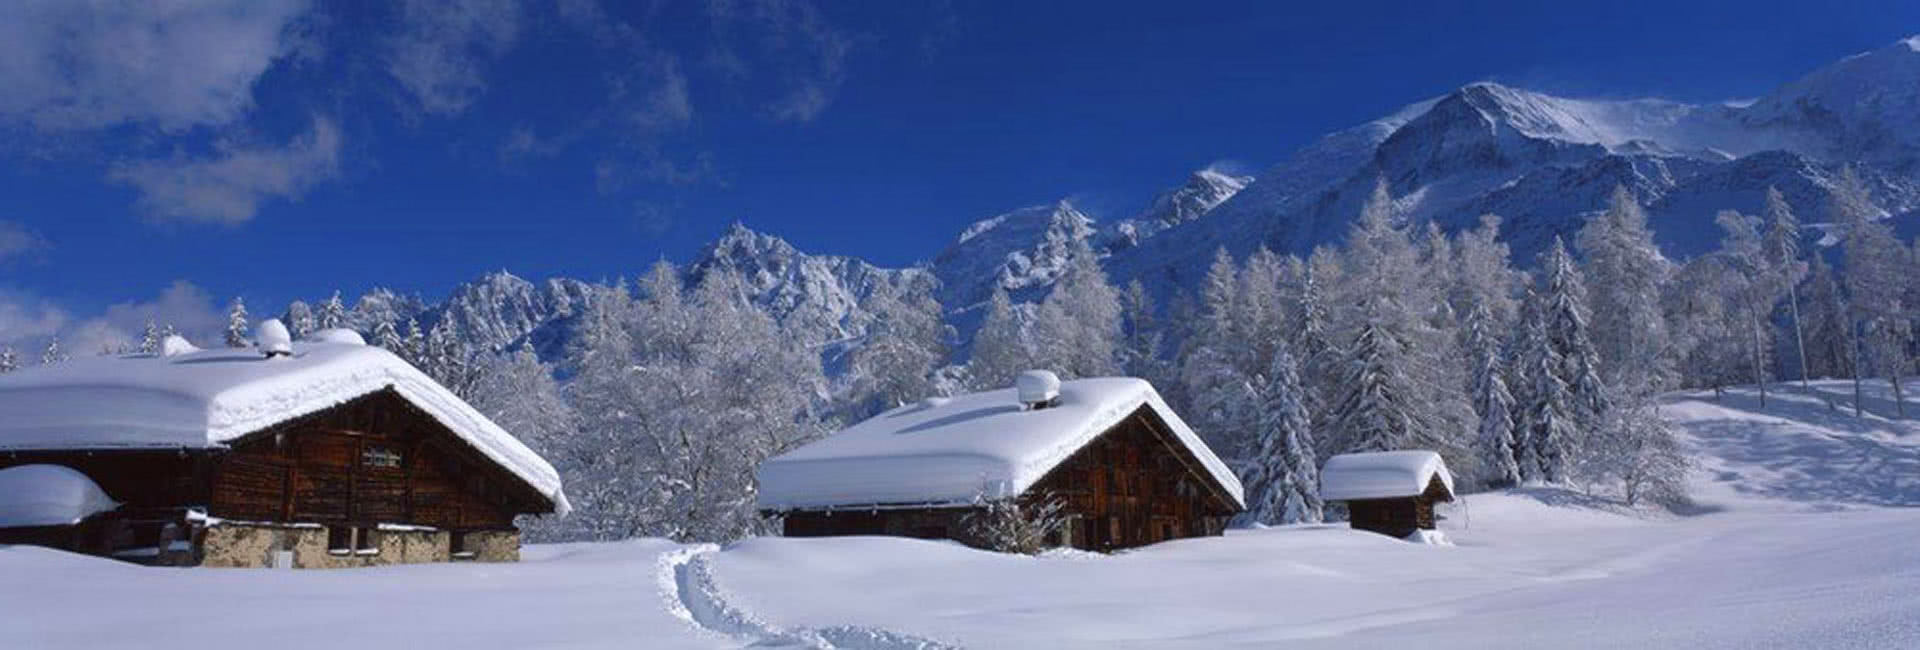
<point x="1126" y="469"/>
<point x="323" y="454"/>
<point x="1388" y="492"/>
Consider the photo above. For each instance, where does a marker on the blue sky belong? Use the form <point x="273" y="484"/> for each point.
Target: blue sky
<point x="161" y="159"/>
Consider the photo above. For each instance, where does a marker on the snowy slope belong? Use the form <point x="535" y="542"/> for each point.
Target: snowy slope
<point x="565" y="596"/>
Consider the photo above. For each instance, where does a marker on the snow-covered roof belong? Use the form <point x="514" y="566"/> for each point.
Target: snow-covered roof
<point x="1381" y="475"/>
<point x="961" y="449"/>
<point x="48" y="495"/>
<point x="211" y="397"/>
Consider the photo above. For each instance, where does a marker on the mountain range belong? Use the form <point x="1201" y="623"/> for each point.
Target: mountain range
<point x="1541" y="162"/>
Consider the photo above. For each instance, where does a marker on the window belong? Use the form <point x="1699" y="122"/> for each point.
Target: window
<point x="366" y="542"/>
<point x="340" y="540"/>
<point x="379" y="457"/>
<point x="457" y="544"/>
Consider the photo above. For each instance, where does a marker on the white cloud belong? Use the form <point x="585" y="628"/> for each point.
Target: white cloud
<point x="73" y="64"/>
<point x="230" y="186"/>
<point x="438" y="55"/>
<point x="26" y="322"/>
<point x="805" y="55"/>
<point x="17" y="241"/>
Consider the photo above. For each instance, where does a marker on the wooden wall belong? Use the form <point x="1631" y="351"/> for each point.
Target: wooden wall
<point x="373" y="460"/>
<point x="1133" y="485"/>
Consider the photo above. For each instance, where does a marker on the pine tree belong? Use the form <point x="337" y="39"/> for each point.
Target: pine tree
<point x="1375" y="414"/>
<point x="1875" y="283"/>
<point x="1783" y="250"/>
<point x="333" y="313"/>
<point x="1282" y="479"/>
<point x="1001" y="348"/>
<point x="237" y="328"/>
<point x="1140" y="352"/>
<point x="150" y="338"/>
<point x="1213" y="371"/>
<point x="903" y="344"/>
<point x="1077" y="327"/>
<point x="1545" y="425"/>
<point x="1827" y="315"/>
<point x="387" y="337"/>
<point x="414" y="348"/>
<point x="1492" y="402"/>
<point x="53" y="354"/>
<point x="9" y="362"/>
<point x="1626" y="270"/>
<point x="1749" y="286"/>
<point x="299" y="319"/>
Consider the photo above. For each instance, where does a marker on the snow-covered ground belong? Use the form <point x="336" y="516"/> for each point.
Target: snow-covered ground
<point x="1802" y="537"/>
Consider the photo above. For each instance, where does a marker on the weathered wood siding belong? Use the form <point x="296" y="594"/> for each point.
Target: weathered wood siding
<point x="373" y="460"/>
<point x="1133" y="485"/>
<point x="1399" y="517"/>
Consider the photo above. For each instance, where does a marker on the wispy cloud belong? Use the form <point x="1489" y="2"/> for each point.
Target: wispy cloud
<point x="788" y="43"/>
<point x="17" y="241"/>
<point x="229" y="186"/>
<point x="27" y="321"/>
<point x="174" y="65"/>
<point x="440" y="53"/>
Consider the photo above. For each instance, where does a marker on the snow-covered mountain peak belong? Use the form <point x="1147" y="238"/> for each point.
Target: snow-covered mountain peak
<point x="1057" y="215"/>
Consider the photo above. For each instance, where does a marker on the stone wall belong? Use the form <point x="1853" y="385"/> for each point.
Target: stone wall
<point x="494" y="545"/>
<point x="239" y="545"/>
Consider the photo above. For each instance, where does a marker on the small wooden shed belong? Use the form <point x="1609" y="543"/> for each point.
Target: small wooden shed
<point x="1125" y="468"/>
<point x="1388" y="492"/>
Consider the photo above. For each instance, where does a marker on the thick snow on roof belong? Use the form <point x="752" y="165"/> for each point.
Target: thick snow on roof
<point x="957" y="450"/>
<point x="211" y="397"/>
<point x="48" y="495"/>
<point x="1381" y="475"/>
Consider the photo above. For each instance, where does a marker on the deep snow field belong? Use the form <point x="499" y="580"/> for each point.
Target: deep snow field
<point x="1804" y="536"/>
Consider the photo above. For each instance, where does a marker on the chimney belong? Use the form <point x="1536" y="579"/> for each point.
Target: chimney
<point x="1037" y="389"/>
<point x="274" y="338"/>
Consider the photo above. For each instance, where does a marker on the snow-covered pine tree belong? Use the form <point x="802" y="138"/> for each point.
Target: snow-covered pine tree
<point x="1564" y="309"/>
<point x="1222" y="393"/>
<point x="237" y="327"/>
<point x="414" y="348"/>
<point x="1624" y="271"/>
<point x="1831" y="354"/>
<point x="299" y="319"/>
<point x="449" y="360"/>
<point x="1545" y="422"/>
<point x="1484" y="274"/>
<point x="9" y="362"/>
<point x="1783" y="253"/>
<point x="1375" y="413"/>
<point x="903" y="345"/>
<point x="1282" y="475"/>
<point x="1001" y="347"/>
<point x="53" y="353"/>
<point x="150" y="338"/>
<point x="387" y="337"/>
<point x="332" y="313"/>
<point x="1077" y="327"/>
<point x="1140" y="348"/>
<point x="1492" y="401"/>
<point x="1749" y="284"/>
<point x="1876" y="286"/>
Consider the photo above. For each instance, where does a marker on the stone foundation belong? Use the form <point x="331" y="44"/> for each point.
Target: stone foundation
<point x="494" y="545"/>
<point x="255" y="545"/>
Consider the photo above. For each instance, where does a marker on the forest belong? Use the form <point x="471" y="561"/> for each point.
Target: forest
<point x="671" y="392"/>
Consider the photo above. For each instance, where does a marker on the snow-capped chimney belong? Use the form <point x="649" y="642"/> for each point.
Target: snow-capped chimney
<point x="1037" y="389"/>
<point x="175" y="345"/>
<point x="273" y="338"/>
